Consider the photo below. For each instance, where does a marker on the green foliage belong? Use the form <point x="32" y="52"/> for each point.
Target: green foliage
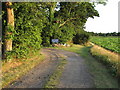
<point x="38" y="23"/>
<point x="8" y="55"/>
<point x="76" y="12"/>
<point x="105" y="34"/>
<point x="110" y="43"/>
<point x="28" y="26"/>
<point x="10" y="32"/>
<point x="72" y="17"/>
<point x="81" y="38"/>
<point x="64" y="33"/>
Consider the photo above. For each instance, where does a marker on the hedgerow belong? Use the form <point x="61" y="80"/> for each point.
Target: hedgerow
<point x="37" y="23"/>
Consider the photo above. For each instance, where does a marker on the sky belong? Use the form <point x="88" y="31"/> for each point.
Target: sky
<point x="108" y="20"/>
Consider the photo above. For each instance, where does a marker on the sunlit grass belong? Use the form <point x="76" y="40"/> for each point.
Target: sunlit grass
<point x="109" y="58"/>
<point x="100" y="73"/>
<point x="16" y="68"/>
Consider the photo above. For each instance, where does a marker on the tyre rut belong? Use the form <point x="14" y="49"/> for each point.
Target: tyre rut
<point x="75" y="74"/>
<point x="37" y="77"/>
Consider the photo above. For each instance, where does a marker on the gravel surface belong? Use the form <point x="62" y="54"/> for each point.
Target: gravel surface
<point x="75" y="74"/>
<point x="38" y="76"/>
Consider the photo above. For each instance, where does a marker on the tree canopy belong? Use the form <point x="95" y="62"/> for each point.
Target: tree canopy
<point x="37" y="23"/>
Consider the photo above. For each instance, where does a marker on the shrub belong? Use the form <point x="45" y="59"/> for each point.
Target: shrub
<point x="81" y="38"/>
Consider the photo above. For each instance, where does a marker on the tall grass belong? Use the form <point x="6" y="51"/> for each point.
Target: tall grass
<point x="108" y="58"/>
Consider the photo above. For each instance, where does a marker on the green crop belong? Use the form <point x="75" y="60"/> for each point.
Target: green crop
<point x="110" y="43"/>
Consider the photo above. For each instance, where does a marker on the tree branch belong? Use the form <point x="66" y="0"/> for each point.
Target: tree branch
<point x="66" y="21"/>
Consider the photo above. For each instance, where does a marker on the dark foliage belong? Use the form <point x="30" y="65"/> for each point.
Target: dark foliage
<point x="81" y="38"/>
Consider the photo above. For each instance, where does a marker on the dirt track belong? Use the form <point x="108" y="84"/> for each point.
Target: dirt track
<point x="75" y="74"/>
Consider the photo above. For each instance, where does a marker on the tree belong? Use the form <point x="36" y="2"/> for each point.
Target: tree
<point x="8" y="27"/>
<point x="29" y="22"/>
<point x="47" y="31"/>
<point x="74" y="15"/>
<point x="37" y="23"/>
<point x="71" y="17"/>
<point x="81" y="38"/>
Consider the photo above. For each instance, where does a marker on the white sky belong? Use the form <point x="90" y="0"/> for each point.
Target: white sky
<point x="108" y="20"/>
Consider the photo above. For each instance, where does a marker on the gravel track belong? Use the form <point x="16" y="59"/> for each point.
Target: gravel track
<point x="75" y="74"/>
<point x="37" y="77"/>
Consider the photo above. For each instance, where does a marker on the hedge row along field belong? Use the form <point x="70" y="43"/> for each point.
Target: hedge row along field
<point x="110" y="43"/>
<point x="36" y="24"/>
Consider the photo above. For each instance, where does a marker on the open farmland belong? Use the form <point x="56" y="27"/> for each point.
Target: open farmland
<point x="47" y="45"/>
<point x="110" y="43"/>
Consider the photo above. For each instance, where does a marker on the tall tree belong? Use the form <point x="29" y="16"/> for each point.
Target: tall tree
<point x="8" y="28"/>
<point x="72" y="17"/>
<point x="29" y="21"/>
<point x="47" y="32"/>
<point x="10" y="25"/>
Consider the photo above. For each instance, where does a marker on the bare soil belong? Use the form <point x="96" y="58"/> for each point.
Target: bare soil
<point x="75" y="74"/>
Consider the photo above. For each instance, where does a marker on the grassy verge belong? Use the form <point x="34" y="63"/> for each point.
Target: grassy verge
<point x="101" y="76"/>
<point x="54" y="78"/>
<point x="108" y="58"/>
<point x="14" y="69"/>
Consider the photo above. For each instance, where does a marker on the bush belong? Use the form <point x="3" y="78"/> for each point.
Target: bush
<point x="81" y="38"/>
<point x="26" y="35"/>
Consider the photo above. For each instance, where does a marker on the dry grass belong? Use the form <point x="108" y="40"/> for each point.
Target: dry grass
<point x="10" y="65"/>
<point x="13" y="63"/>
<point x="100" y="74"/>
<point x="15" y="68"/>
<point x="111" y="57"/>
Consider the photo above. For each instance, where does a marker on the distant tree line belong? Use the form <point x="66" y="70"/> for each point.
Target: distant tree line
<point x="104" y="34"/>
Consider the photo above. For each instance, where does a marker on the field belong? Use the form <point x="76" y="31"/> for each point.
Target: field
<point x="110" y="43"/>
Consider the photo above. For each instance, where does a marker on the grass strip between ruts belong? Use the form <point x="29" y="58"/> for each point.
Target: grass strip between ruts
<point x="101" y="76"/>
<point x="54" y="78"/>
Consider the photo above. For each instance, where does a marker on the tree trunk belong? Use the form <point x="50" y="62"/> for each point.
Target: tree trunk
<point x="52" y="11"/>
<point x="10" y="22"/>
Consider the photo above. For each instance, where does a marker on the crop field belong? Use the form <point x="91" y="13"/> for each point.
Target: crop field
<point x="110" y="43"/>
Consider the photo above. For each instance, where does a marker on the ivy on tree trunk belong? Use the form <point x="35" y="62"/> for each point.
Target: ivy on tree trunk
<point x="10" y="22"/>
